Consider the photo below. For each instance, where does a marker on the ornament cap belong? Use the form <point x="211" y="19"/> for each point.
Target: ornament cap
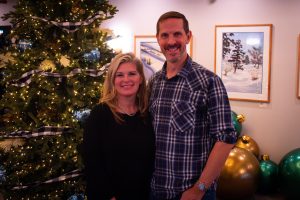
<point x="240" y="118"/>
<point x="245" y="139"/>
<point x="265" y="157"/>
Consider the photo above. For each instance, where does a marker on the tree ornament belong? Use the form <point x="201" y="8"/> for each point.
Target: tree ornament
<point x="82" y="115"/>
<point x="5" y="59"/>
<point x="24" y="44"/>
<point x="6" y="144"/>
<point x="65" y="61"/>
<point x="82" y="11"/>
<point x="47" y="65"/>
<point x="2" y="174"/>
<point x="75" y="9"/>
<point x="92" y="56"/>
<point x="76" y="197"/>
<point x="246" y="142"/>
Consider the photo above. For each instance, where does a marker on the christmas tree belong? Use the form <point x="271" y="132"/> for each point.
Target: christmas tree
<point x="52" y="73"/>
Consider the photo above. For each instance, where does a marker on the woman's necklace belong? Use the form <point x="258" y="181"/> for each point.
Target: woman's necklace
<point x="129" y="114"/>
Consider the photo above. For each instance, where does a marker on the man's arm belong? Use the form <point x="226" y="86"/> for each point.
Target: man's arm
<point x="212" y="170"/>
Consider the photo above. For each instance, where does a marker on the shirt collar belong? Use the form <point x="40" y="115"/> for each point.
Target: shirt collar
<point x="184" y="71"/>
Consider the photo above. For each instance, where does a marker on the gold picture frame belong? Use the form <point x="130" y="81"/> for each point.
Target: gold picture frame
<point x="243" y="60"/>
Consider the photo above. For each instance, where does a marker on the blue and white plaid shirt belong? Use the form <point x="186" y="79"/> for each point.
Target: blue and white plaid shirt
<point x="190" y="113"/>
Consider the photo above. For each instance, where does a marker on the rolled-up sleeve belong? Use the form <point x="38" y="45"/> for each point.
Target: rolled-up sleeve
<point x="219" y="112"/>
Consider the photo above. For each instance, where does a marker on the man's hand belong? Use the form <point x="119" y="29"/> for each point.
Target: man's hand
<point x="192" y="193"/>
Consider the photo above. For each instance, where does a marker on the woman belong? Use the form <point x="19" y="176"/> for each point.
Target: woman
<point x="118" y="137"/>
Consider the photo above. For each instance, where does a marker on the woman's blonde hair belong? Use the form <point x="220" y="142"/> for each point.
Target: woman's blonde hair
<point x="109" y="94"/>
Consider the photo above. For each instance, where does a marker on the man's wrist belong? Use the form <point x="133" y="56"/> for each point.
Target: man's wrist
<point x="202" y="187"/>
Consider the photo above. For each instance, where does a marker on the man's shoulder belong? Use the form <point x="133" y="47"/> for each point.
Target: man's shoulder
<point x="199" y="77"/>
<point x="200" y="70"/>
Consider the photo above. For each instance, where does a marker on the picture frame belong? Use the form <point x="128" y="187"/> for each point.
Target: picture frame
<point x="298" y="75"/>
<point x="147" y="49"/>
<point x="243" y="60"/>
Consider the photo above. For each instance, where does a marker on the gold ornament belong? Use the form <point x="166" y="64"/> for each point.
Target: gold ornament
<point x="64" y="61"/>
<point x="75" y="9"/>
<point x="240" y="175"/>
<point x="246" y="142"/>
<point x="47" y="65"/>
<point x="5" y="59"/>
<point x="82" y="11"/>
<point x="11" y="142"/>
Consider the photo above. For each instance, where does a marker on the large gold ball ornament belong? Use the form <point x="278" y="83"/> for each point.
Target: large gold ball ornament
<point x="240" y="175"/>
<point x="6" y="144"/>
<point x="246" y="142"/>
<point x="47" y="65"/>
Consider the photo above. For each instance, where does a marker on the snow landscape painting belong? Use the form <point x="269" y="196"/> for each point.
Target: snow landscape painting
<point x="243" y="61"/>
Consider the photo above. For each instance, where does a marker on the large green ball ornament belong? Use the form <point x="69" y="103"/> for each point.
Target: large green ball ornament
<point x="237" y="121"/>
<point x="268" y="180"/>
<point x="246" y="142"/>
<point x="239" y="177"/>
<point x="289" y="174"/>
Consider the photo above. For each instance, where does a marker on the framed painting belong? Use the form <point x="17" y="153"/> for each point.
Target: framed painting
<point x="147" y="49"/>
<point x="298" y="75"/>
<point x="243" y="60"/>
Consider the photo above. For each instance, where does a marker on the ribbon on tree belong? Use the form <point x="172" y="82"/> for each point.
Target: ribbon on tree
<point x="26" y="77"/>
<point x="42" y="131"/>
<point x="63" y="177"/>
<point x="74" y="26"/>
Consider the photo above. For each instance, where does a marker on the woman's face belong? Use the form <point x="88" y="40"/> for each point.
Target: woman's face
<point x="127" y="80"/>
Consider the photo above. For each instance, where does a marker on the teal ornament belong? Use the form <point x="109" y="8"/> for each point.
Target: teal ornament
<point x="289" y="174"/>
<point x="237" y="121"/>
<point x="268" y="180"/>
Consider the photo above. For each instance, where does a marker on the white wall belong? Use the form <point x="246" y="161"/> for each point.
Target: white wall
<point x="275" y="126"/>
<point x="5" y="8"/>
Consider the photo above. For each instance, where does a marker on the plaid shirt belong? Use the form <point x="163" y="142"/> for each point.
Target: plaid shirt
<point x="190" y="113"/>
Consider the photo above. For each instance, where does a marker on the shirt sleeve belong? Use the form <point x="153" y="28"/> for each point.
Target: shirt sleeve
<point x="219" y="112"/>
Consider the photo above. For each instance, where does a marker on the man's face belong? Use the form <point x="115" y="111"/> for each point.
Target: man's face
<point x="172" y="40"/>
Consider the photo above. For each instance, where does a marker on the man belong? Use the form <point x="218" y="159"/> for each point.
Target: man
<point x="191" y="118"/>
